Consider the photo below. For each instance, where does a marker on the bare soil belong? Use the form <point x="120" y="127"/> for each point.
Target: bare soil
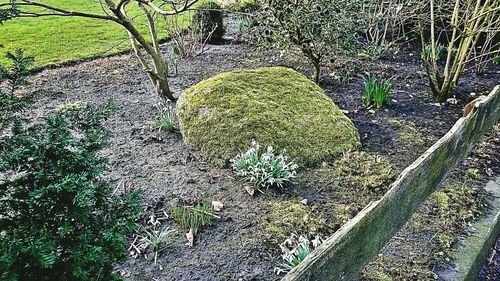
<point x="238" y="247"/>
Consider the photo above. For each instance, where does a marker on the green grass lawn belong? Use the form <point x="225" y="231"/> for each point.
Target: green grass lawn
<point x="55" y="40"/>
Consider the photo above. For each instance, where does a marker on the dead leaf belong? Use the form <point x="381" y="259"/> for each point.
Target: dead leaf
<point x="304" y="201"/>
<point x="250" y="190"/>
<point x="214" y="174"/>
<point x="190" y="238"/>
<point x="217" y="205"/>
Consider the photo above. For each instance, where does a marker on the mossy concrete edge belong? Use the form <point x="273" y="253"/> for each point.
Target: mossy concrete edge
<point x="473" y="251"/>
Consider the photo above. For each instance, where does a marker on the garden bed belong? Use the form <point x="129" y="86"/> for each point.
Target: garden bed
<point x="243" y="243"/>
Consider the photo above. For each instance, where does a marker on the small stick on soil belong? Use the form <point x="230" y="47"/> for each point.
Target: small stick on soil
<point x="161" y="171"/>
<point x="117" y="187"/>
<point x="201" y="211"/>
<point x="134" y="246"/>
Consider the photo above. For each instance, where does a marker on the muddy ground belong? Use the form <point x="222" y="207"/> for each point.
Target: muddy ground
<point x="241" y="245"/>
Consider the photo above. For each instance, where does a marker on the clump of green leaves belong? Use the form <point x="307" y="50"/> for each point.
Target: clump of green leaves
<point x="376" y="93"/>
<point x="156" y="239"/>
<point x="263" y="169"/>
<point x="294" y="250"/>
<point x="427" y="54"/>
<point x="166" y="118"/>
<point x="244" y="25"/>
<point x="208" y="20"/>
<point x="193" y="217"/>
<point x="244" y="6"/>
<point x="321" y="30"/>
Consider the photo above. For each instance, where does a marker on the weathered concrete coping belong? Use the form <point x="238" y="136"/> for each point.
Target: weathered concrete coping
<point x="473" y="250"/>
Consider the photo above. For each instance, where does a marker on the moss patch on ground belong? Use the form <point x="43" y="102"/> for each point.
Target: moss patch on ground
<point x="275" y="106"/>
<point x="289" y="217"/>
<point x="335" y="193"/>
<point x="408" y="133"/>
<point x="354" y="174"/>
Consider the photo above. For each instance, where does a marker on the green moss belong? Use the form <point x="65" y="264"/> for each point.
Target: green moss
<point x="473" y="173"/>
<point x="275" y="106"/>
<point x="79" y="105"/>
<point x="289" y="217"/>
<point x="442" y="200"/>
<point x="375" y="274"/>
<point x="243" y="5"/>
<point x="408" y="133"/>
<point x="365" y="170"/>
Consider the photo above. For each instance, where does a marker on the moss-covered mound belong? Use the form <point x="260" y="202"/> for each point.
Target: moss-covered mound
<point x="275" y="106"/>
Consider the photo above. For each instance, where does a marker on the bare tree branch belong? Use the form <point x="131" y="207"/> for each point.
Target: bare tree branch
<point x="57" y="11"/>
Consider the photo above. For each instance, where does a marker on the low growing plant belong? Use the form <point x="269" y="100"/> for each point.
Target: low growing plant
<point x="244" y="24"/>
<point x="263" y="169"/>
<point x="156" y="239"/>
<point x="428" y="53"/>
<point x="166" y="118"/>
<point x="193" y="217"/>
<point x="376" y="93"/>
<point x="59" y="219"/>
<point x="294" y="250"/>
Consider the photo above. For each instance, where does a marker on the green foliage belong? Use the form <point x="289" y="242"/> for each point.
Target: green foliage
<point x="294" y="250"/>
<point x="273" y="105"/>
<point x="263" y="169"/>
<point x="376" y="93"/>
<point x="8" y="13"/>
<point x="79" y="105"/>
<point x="166" y="118"/>
<point x="156" y="239"/>
<point x="245" y="6"/>
<point x="14" y="76"/>
<point x="428" y="55"/>
<point x="244" y="24"/>
<point x="320" y="29"/>
<point x="58" y="218"/>
<point x="19" y="69"/>
<point x="457" y="205"/>
<point x="291" y="216"/>
<point x="208" y="20"/>
<point x="193" y="217"/>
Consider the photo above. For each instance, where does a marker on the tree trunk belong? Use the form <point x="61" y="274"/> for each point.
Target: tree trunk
<point x="316" y="71"/>
<point x="163" y="89"/>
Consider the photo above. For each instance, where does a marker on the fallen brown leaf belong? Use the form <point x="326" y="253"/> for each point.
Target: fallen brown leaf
<point x="190" y="238"/>
<point x="250" y="190"/>
<point x="217" y="205"/>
